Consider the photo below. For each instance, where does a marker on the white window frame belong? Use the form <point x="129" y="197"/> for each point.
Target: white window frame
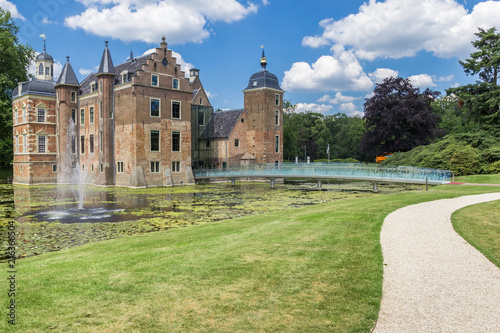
<point x="82" y="116"/>
<point x="25" y="143"/>
<point x="277" y="99"/>
<point x="91" y="115"/>
<point x="176" y="166"/>
<point x="277" y="144"/>
<point x="180" y="141"/>
<point x="44" y="144"/>
<point x="73" y="97"/>
<point x="174" y="80"/>
<point x="119" y="167"/>
<point x="157" y="80"/>
<point x="154" y="167"/>
<point x="91" y="143"/>
<point x="277" y="117"/>
<point x="159" y="107"/>
<point x="150" y="141"/>
<point x="100" y="141"/>
<point x="38" y="115"/>
<point x="172" y="109"/>
<point x="92" y="86"/>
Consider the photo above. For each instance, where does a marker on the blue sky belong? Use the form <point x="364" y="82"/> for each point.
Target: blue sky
<point x="327" y="54"/>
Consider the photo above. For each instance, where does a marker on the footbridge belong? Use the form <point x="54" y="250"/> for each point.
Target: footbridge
<point x="325" y="171"/>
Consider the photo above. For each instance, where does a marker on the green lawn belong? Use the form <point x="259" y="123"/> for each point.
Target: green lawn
<point x="479" y="179"/>
<point x="310" y="269"/>
<point x="480" y="226"/>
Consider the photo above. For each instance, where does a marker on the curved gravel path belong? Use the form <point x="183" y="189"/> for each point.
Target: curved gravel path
<point x="434" y="281"/>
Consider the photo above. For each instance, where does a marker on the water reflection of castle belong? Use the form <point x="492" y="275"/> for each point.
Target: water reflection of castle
<point x="141" y="123"/>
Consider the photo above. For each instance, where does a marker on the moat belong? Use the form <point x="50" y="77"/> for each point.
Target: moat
<point x="49" y="220"/>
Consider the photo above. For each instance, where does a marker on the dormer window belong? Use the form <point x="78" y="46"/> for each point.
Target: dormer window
<point x="124" y="77"/>
<point x="92" y="86"/>
<point x="255" y="83"/>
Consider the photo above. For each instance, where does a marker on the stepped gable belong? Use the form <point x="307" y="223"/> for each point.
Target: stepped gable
<point x="221" y="124"/>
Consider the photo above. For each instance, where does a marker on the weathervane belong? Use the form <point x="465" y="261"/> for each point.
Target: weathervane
<point x="44" y="48"/>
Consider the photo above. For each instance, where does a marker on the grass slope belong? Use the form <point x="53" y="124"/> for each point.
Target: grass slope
<point x="311" y="269"/>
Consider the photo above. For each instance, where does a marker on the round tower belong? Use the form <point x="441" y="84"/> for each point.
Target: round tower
<point x="263" y="100"/>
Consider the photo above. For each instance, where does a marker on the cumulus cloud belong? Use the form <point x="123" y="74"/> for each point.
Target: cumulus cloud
<point x="85" y="72"/>
<point x="46" y="20"/>
<point x="444" y="78"/>
<point x="338" y="99"/>
<point x="383" y="73"/>
<point x="180" y="21"/>
<point x="319" y="108"/>
<point x="395" y="28"/>
<point x="422" y="81"/>
<point x="9" y="6"/>
<point x="339" y="72"/>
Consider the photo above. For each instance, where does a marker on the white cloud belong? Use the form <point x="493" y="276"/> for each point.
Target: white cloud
<point x="339" y="72"/>
<point x="210" y="95"/>
<point x="185" y="66"/>
<point x="265" y="2"/>
<point x="422" y="81"/>
<point x="9" y="6"/>
<point x="319" y="108"/>
<point x="338" y="99"/>
<point x="444" y="78"/>
<point x="383" y="73"/>
<point x="86" y="72"/>
<point x="395" y="28"/>
<point x="180" y="21"/>
<point x="45" y="20"/>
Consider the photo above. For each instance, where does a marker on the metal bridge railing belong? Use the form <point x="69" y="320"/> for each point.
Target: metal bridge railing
<point x="329" y="170"/>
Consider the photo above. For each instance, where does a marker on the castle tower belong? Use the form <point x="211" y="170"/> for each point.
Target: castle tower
<point x="67" y="121"/>
<point x="106" y="118"/>
<point x="263" y="102"/>
<point x="44" y="65"/>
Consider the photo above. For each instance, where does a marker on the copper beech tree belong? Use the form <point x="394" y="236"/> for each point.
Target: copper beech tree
<point x="398" y="118"/>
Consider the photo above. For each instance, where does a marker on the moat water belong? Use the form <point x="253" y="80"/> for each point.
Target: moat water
<point x="49" y="218"/>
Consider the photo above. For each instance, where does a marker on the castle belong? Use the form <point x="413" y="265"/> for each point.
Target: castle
<point x="141" y="123"/>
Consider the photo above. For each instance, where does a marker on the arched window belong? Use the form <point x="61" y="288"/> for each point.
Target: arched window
<point x="40" y="69"/>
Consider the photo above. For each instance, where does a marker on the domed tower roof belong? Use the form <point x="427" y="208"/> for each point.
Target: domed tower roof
<point x="44" y="64"/>
<point x="44" y="56"/>
<point x="263" y="78"/>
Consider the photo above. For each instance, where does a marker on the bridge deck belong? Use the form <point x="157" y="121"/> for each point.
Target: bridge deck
<point x="322" y="171"/>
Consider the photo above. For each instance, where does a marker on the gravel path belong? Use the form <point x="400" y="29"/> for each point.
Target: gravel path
<point x="434" y="281"/>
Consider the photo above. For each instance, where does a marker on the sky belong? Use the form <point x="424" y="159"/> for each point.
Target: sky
<point x="327" y="54"/>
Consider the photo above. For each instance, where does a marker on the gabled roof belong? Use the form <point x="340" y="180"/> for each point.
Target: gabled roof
<point x="36" y="87"/>
<point x="106" y="65"/>
<point x="221" y="124"/>
<point x="67" y="75"/>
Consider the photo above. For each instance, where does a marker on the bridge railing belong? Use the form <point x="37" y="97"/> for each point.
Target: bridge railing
<point x="331" y="170"/>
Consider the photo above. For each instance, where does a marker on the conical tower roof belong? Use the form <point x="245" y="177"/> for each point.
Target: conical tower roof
<point x="67" y="76"/>
<point x="106" y="65"/>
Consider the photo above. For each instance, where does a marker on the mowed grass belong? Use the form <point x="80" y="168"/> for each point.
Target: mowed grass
<point x="311" y="269"/>
<point x="479" y="179"/>
<point x="480" y="226"/>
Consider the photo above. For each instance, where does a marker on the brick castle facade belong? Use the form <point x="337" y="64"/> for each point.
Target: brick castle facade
<point x="141" y="123"/>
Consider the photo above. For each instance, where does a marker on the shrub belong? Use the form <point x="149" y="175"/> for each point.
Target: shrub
<point x="495" y="167"/>
<point x="465" y="161"/>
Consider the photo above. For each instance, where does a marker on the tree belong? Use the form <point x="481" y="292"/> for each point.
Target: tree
<point x="482" y="99"/>
<point x="398" y="118"/>
<point x="14" y="61"/>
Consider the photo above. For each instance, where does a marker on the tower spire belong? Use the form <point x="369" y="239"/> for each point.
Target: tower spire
<point x="44" y="46"/>
<point x="263" y="60"/>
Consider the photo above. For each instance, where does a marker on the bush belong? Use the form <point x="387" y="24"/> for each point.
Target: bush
<point x="465" y="161"/>
<point x="495" y="167"/>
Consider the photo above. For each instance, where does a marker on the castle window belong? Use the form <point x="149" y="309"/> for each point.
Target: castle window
<point x="25" y="144"/>
<point x="100" y="109"/>
<point x="73" y="144"/>
<point x="41" y="115"/>
<point x="277" y="144"/>
<point x="242" y="120"/>
<point x="176" y="110"/>
<point x="100" y="87"/>
<point x="82" y="116"/>
<point x="100" y="141"/>
<point x="73" y="116"/>
<point x="207" y="144"/>
<point x="164" y="61"/>
<point x="73" y="96"/>
<point x="155" y="166"/>
<point x="40" y="69"/>
<point x="92" y="167"/>
<point x="100" y="168"/>
<point x="124" y="77"/>
<point x="236" y="142"/>
<point x="176" y="141"/>
<point x="91" y="114"/>
<point x="176" y="166"/>
<point x="155" y="140"/>
<point x="201" y="118"/>
<point x="82" y="144"/>
<point x="47" y="70"/>
<point x="277" y="118"/>
<point x="54" y="167"/>
<point x="24" y="114"/>
<point x="92" y="86"/>
<point x="119" y="167"/>
<point x="91" y="143"/>
<point x="42" y="144"/>
<point x="154" y="80"/>
<point x="175" y="83"/>
<point x="277" y="99"/>
<point x="155" y="107"/>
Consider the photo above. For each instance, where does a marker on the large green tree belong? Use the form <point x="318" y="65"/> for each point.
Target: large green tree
<point x="15" y="59"/>
<point x="398" y="118"/>
<point x="481" y="100"/>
